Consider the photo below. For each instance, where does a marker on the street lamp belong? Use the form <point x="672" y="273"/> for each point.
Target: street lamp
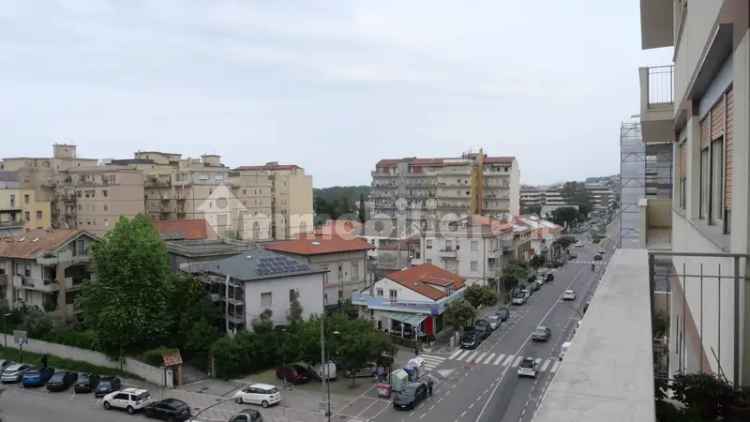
<point x="283" y="356"/>
<point x="5" y="328"/>
<point x="328" y="377"/>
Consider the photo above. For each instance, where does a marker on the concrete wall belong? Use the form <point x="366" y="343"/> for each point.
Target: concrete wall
<point x="310" y="297"/>
<point x="659" y="213"/>
<point x="402" y="293"/>
<point x="147" y="372"/>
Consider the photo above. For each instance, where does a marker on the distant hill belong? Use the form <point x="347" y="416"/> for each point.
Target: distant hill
<point x="341" y="192"/>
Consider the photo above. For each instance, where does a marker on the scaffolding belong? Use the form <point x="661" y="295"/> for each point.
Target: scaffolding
<point x="632" y="183"/>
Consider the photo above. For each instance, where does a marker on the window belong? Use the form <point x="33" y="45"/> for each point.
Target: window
<point x="27" y="270"/>
<point x="393" y="295"/>
<point x="379" y="292"/>
<point x="81" y="246"/>
<point x="717" y="180"/>
<point x="27" y="216"/>
<point x="705" y="175"/>
<point x="474" y="266"/>
<point x="448" y="245"/>
<point x="12" y="200"/>
<point x="105" y="193"/>
<point x="428" y="244"/>
<point x="26" y="198"/>
<point x="266" y="300"/>
<point x="292" y="295"/>
<point x="474" y="245"/>
<point x="341" y="273"/>
<point x="39" y="215"/>
<point x="682" y="177"/>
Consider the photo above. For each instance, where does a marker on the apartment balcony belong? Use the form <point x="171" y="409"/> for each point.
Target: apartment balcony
<point x="383" y="174"/>
<point x="28" y="283"/>
<point x="448" y="253"/>
<point x="607" y="374"/>
<point x="657" y="103"/>
<point x="657" y="27"/>
<point x="656" y="224"/>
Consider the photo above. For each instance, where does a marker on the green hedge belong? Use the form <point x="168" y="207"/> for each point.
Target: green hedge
<point x="154" y="357"/>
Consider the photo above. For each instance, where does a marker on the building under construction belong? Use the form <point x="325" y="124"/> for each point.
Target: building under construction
<point x="632" y="183"/>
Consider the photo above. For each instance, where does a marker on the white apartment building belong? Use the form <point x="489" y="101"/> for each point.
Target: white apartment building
<point x="700" y="104"/>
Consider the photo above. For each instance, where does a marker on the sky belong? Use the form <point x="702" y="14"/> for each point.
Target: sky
<point x="330" y="85"/>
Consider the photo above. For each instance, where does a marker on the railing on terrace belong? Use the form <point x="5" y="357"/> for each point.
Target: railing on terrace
<point x="705" y="308"/>
<point x="660" y="85"/>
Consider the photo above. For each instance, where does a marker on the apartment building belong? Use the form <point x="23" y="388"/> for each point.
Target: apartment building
<point x="420" y="191"/>
<point x="345" y="260"/>
<point x="602" y="197"/>
<point x="290" y="195"/>
<point x="94" y="198"/>
<point x="45" y="269"/>
<point x="20" y="207"/>
<point x="531" y="196"/>
<point x="700" y="104"/>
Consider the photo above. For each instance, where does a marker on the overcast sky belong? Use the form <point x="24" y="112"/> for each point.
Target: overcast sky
<point x="330" y="85"/>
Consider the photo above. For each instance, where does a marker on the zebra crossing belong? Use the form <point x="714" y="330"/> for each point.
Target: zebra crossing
<point x="487" y="358"/>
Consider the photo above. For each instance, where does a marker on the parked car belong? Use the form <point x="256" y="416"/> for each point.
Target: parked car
<point x="14" y="373"/>
<point x="503" y="313"/>
<point x="527" y="368"/>
<point x="36" y="377"/>
<point x="494" y="321"/>
<point x="412" y="394"/>
<point x="86" y="383"/>
<point x="130" y="399"/>
<point x="309" y="371"/>
<point x="107" y="384"/>
<point x="262" y="394"/>
<point x="4" y="363"/>
<point x="564" y="349"/>
<point x="518" y="298"/>
<point x="541" y="333"/>
<point x="572" y="256"/>
<point x="369" y="370"/>
<point x="247" y="415"/>
<point x="482" y="327"/>
<point x="61" y="380"/>
<point x="549" y="277"/>
<point x="569" y="295"/>
<point x="168" y="410"/>
<point x="597" y="257"/>
<point x="539" y="283"/>
<point x="578" y="244"/>
<point x="470" y="340"/>
<point x="291" y="375"/>
<point x="602" y="252"/>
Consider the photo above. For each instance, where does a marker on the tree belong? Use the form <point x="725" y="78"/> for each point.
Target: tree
<point x="189" y="304"/>
<point x="537" y="261"/>
<point x="127" y="305"/>
<point x="480" y="296"/>
<point x="565" y="241"/>
<point x="357" y="344"/>
<point x="197" y="343"/>
<point x="703" y="395"/>
<point x="565" y="216"/>
<point x="362" y="211"/>
<point x="575" y="193"/>
<point x="295" y="308"/>
<point x="459" y="313"/>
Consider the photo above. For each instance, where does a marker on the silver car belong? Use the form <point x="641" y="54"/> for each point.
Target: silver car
<point x="14" y="373"/>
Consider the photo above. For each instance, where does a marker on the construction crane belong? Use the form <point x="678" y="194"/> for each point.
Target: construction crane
<point x="477" y="184"/>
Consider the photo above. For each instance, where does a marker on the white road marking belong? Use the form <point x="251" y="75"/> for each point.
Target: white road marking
<point x="489" y="359"/>
<point x="545" y="365"/>
<point x="472" y="356"/>
<point x="517" y="361"/>
<point x="508" y="360"/>
<point x="499" y="358"/>
<point x="463" y="354"/>
<point x="456" y="353"/>
<point x="554" y="367"/>
<point x="479" y="359"/>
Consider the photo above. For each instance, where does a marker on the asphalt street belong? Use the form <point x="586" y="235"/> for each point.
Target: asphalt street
<point x="483" y="385"/>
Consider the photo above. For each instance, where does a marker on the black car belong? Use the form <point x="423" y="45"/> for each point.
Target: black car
<point x="412" y="394"/>
<point x="483" y="328"/>
<point x="471" y="340"/>
<point x="168" y="410"/>
<point x="247" y="415"/>
<point x="308" y="371"/>
<point x="597" y="257"/>
<point x="107" y="384"/>
<point x="86" y="383"/>
<point x="503" y="313"/>
<point x="572" y="256"/>
<point x="61" y="380"/>
<point x="549" y="277"/>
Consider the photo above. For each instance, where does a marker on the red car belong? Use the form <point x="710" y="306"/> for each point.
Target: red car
<point x="291" y="375"/>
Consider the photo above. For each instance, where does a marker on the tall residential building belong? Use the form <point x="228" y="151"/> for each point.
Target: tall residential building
<point x="291" y="196"/>
<point x="700" y="105"/>
<point x="20" y="207"/>
<point x="423" y="190"/>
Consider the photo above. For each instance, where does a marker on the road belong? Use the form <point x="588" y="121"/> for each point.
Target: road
<point x="483" y="385"/>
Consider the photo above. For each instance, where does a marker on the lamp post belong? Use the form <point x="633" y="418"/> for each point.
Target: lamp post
<point x="328" y="380"/>
<point x="5" y="328"/>
<point x="283" y="357"/>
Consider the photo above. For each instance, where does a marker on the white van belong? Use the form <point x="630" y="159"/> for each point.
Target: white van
<point x="328" y="370"/>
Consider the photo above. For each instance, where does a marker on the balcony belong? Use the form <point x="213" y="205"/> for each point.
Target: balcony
<point x="607" y="373"/>
<point x="657" y="103"/>
<point x="447" y="253"/>
<point x="656" y="224"/>
<point x="657" y="27"/>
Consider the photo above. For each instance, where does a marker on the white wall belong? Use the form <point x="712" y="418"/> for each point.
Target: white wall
<point x="310" y="296"/>
<point x="402" y="293"/>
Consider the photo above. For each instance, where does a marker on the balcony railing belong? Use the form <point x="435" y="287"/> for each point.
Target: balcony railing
<point x="660" y="85"/>
<point x="384" y="303"/>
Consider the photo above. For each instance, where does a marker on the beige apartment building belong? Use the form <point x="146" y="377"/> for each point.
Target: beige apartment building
<point x="20" y="207"/>
<point x="420" y="191"/>
<point x="291" y="196"/>
<point x="700" y="104"/>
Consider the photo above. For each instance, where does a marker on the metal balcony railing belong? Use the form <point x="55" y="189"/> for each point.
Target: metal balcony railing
<point x="704" y="312"/>
<point x="660" y="85"/>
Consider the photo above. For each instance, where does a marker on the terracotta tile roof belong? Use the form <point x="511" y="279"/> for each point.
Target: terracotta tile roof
<point x="271" y="167"/>
<point x="182" y="229"/>
<point x="319" y="244"/>
<point x="33" y="243"/>
<point x="423" y="278"/>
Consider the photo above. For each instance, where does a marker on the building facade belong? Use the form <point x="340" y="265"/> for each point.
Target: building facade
<point x="420" y="191"/>
<point x="700" y="105"/>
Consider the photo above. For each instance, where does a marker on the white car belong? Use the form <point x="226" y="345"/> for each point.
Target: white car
<point x="527" y="368"/>
<point x="14" y="373"/>
<point x="579" y="244"/>
<point x="262" y="394"/>
<point x="130" y="399"/>
<point x="569" y="295"/>
<point x="494" y="321"/>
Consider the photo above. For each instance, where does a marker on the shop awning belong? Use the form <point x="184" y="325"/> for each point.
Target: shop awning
<point x="412" y="319"/>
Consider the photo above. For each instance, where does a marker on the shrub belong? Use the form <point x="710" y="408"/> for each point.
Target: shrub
<point x="85" y="339"/>
<point x="153" y="357"/>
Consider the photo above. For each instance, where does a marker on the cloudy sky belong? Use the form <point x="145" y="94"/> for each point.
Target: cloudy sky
<point x="330" y="85"/>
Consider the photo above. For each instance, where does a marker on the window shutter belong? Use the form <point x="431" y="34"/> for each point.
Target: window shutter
<point x="717" y="120"/>
<point x="729" y="149"/>
<point x="706" y="131"/>
<point x="681" y="160"/>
